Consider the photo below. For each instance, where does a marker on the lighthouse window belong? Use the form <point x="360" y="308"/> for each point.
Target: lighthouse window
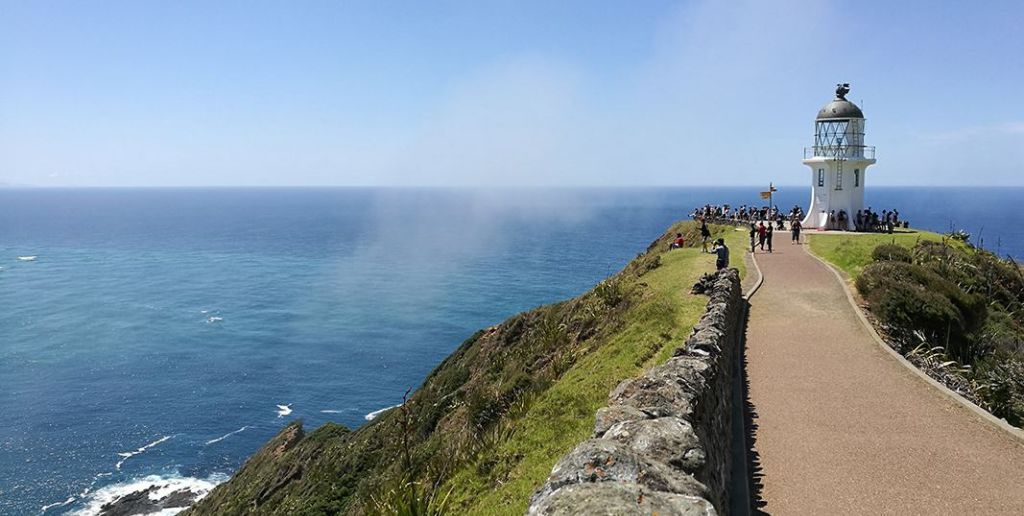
<point x="856" y="177"/>
<point x="839" y="179"/>
<point x="821" y="177"/>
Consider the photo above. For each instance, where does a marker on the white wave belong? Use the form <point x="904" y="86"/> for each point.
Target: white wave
<point x="166" y="485"/>
<point x="204" y="311"/>
<point x="27" y="258"/>
<point x="214" y="319"/>
<point x="129" y="454"/>
<point x="57" y="504"/>
<point x="229" y="434"/>
<point x="373" y="415"/>
<point x="82" y="494"/>
<point x="283" y="410"/>
<point x="331" y="411"/>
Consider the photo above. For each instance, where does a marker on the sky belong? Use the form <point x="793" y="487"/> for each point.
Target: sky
<point x="501" y="93"/>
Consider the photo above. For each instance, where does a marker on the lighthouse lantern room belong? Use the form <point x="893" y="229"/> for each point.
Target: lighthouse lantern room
<point x="838" y="161"/>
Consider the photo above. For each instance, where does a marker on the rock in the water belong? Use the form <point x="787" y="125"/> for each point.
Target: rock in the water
<point x="619" y="498"/>
<point x="141" y="502"/>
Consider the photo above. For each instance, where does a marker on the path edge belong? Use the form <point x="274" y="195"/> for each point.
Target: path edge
<point x="987" y="416"/>
<point x="760" y="278"/>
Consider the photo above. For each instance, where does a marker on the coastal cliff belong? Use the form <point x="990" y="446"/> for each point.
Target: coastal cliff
<point x="485" y="428"/>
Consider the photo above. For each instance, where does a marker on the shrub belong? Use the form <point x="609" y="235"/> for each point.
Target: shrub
<point x="610" y="292"/>
<point x="961" y="235"/>
<point x="999" y="380"/>
<point x="908" y="306"/>
<point x="913" y="297"/>
<point x="892" y="252"/>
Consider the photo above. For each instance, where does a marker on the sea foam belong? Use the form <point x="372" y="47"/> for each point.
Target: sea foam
<point x="129" y="454"/>
<point x="373" y="415"/>
<point x="229" y="434"/>
<point x="166" y="485"/>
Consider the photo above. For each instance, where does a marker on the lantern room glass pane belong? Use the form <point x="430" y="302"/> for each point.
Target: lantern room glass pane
<point x="839" y="138"/>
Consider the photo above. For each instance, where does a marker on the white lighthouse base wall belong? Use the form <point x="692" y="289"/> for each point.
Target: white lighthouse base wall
<point x="832" y="191"/>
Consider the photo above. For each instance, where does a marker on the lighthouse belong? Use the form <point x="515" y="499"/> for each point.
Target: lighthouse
<point x="838" y="161"/>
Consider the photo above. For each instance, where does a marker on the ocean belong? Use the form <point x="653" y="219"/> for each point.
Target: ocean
<point x="163" y="335"/>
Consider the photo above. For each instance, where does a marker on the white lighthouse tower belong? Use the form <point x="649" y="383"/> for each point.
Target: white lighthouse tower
<point x="838" y="160"/>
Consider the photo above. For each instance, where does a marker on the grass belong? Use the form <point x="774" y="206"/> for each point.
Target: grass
<point x="953" y="310"/>
<point x="563" y="416"/>
<point x="487" y="425"/>
<point x="851" y="252"/>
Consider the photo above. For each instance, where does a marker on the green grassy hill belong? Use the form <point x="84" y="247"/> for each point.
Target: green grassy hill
<point x="954" y="311"/>
<point x="485" y="428"/>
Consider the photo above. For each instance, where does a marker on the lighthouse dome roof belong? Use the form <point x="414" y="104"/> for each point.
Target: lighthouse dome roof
<point x="840" y="107"/>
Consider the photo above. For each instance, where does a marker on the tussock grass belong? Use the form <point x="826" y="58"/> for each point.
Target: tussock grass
<point x="852" y="252"/>
<point x="487" y="425"/>
<point x="563" y="415"/>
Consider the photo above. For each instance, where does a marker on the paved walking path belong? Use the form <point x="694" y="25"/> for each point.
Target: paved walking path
<point x="841" y="427"/>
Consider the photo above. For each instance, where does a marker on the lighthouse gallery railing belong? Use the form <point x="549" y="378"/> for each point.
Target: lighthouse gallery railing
<point x="840" y="151"/>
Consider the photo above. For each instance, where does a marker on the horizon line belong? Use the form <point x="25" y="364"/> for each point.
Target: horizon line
<point x="467" y="187"/>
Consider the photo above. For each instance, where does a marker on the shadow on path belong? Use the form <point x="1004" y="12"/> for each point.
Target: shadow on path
<point x="755" y="473"/>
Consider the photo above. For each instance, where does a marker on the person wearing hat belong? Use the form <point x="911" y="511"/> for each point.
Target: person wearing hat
<point x="722" y="251"/>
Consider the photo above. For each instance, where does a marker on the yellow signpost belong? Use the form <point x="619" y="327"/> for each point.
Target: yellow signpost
<point x="768" y="195"/>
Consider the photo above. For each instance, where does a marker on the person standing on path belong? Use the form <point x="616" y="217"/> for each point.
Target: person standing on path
<point x="753" y="233"/>
<point x="796" y="231"/>
<point x="722" y="251"/>
<point x="768" y="237"/>
<point x="761" y="234"/>
<point x="705" y="233"/>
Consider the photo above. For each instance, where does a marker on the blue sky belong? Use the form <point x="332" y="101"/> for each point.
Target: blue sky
<point x="490" y="93"/>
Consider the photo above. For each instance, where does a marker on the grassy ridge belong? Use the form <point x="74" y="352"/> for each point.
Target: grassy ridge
<point x="851" y="252"/>
<point x="954" y="311"/>
<point x="563" y="416"/>
<point x="487" y="425"/>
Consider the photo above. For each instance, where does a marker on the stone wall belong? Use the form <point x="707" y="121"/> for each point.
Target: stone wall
<point x="663" y="444"/>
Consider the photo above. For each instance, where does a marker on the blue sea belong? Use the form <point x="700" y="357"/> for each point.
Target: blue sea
<point x="163" y="335"/>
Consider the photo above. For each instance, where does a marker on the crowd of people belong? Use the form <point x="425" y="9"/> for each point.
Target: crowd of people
<point x="866" y="221"/>
<point x="863" y="221"/>
<point x="726" y="213"/>
<point x="764" y="221"/>
<point x="747" y="214"/>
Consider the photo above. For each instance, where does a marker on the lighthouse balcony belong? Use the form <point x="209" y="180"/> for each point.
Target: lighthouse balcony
<point x="840" y="151"/>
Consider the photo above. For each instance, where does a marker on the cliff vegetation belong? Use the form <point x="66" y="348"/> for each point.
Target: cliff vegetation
<point x="485" y="428"/>
<point x="954" y="310"/>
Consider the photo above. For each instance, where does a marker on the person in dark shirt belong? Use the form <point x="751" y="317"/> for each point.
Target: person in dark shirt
<point x="722" y="251"/>
<point x="768" y="237"/>
<point x="705" y="234"/>
<point x="795" y="226"/>
<point x="753" y="234"/>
